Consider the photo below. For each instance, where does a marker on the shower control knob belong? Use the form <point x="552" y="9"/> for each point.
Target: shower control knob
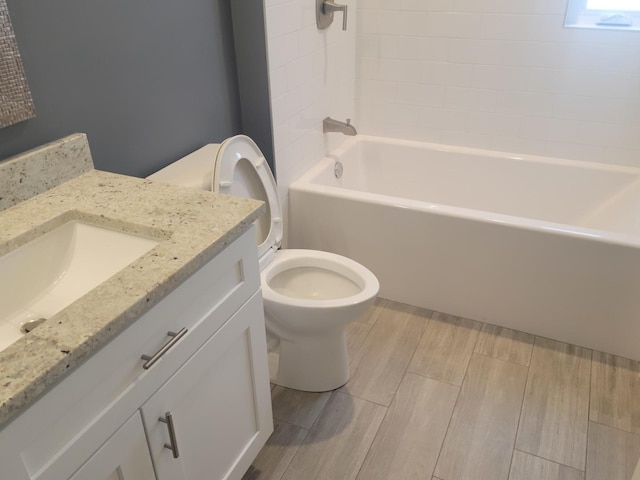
<point x="324" y="13"/>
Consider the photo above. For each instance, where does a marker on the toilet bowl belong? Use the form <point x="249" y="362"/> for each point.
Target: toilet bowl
<point x="309" y="296"/>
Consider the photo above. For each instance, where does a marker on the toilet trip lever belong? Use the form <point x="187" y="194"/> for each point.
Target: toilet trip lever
<point x="324" y="13"/>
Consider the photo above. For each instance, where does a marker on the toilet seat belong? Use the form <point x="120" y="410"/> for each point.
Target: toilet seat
<point x="365" y="283"/>
<point x="241" y="170"/>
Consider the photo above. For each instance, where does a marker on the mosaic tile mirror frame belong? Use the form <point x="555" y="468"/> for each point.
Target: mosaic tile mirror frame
<point x="16" y="103"/>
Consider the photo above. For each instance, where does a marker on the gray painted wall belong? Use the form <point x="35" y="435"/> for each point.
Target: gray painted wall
<point x="148" y="81"/>
<point x="253" y="73"/>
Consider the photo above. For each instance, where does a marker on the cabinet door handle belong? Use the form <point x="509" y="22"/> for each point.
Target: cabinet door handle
<point x="151" y="359"/>
<point x="173" y="446"/>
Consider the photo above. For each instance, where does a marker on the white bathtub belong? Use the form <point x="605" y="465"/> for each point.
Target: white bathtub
<point x="546" y="246"/>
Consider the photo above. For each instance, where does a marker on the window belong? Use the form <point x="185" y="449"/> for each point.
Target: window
<point x="618" y="14"/>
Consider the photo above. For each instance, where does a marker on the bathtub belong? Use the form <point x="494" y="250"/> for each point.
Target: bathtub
<point x="543" y="245"/>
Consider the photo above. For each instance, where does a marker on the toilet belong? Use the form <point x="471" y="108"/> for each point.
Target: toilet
<point x="309" y="295"/>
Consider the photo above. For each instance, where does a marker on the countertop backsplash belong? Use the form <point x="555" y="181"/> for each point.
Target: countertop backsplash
<point x="33" y="172"/>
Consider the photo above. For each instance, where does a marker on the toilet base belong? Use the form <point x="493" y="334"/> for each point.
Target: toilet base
<point x="315" y="364"/>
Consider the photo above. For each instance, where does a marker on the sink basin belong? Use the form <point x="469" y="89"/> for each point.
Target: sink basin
<point x="49" y="273"/>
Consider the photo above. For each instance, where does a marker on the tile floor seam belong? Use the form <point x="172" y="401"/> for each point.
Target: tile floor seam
<point x="364" y="460"/>
<point x="347" y="392"/>
<point x="524" y="394"/>
<point x="453" y="410"/>
<point x="291" y="424"/>
<point x="475" y="344"/>
<point x="436" y="379"/>
<point x="380" y="310"/>
<point x="614" y="370"/>
<point x="364" y="340"/>
<point x="360" y="350"/>
<point x="533" y="344"/>
<point x="429" y="319"/>
<point x="284" y="472"/>
<point x="622" y="430"/>
<point x="319" y="415"/>
<point x="537" y="340"/>
<point x="415" y="312"/>
<point x="548" y="460"/>
<point x="586" y="453"/>
<point x="415" y="350"/>
<point x="308" y="432"/>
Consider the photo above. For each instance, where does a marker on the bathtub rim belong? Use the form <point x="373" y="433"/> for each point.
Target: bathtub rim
<point x="477" y="152"/>
<point x="305" y="184"/>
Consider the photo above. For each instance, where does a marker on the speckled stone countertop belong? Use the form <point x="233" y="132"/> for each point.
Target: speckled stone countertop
<point x="192" y="226"/>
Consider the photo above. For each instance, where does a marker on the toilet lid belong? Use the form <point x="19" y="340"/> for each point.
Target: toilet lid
<point x="241" y="170"/>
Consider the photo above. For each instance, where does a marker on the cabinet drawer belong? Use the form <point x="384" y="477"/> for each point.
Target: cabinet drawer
<point x="78" y="415"/>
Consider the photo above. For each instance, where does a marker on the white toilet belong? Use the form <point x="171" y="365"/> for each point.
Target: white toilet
<point x="309" y="296"/>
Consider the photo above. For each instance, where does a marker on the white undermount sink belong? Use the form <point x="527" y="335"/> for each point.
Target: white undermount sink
<point x="44" y="276"/>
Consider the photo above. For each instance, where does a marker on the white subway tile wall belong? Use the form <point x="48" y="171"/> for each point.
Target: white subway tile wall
<point x="311" y="76"/>
<point x="498" y="74"/>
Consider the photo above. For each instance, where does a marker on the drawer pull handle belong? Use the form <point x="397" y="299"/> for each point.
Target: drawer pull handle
<point x="173" y="446"/>
<point x="150" y="360"/>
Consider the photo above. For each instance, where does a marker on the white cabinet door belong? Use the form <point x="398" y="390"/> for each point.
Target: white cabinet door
<point x="125" y="456"/>
<point x="219" y="403"/>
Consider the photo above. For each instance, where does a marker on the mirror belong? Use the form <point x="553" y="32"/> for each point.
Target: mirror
<point x="16" y="103"/>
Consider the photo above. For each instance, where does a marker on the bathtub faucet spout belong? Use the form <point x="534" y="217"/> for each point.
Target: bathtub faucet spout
<point x="331" y="125"/>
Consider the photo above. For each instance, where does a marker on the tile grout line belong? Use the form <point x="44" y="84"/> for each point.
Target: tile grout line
<point x="291" y="424"/>
<point x="315" y="421"/>
<point x="364" y="340"/>
<point x="548" y="460"/>
<point x="379" y="427"/>
<point x="424" y="332"/>
<point x="284" y="472"/>
<point x="453" y="411"/>
<point x="524" y="394"/>
<point x="347" y="392"/>
<point x="386" y="407"/>
<point x="321" y="412"/>
<point x="533" y="344"/>
<point x="586" y="453"/>
<point x="437" y="379"/>
<point x="537" y="337"/>
<point x="618" y="429"/>
<point x="360" y="353"/>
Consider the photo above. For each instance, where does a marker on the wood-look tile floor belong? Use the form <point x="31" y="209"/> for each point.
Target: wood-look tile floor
<point x="437" y="397"/>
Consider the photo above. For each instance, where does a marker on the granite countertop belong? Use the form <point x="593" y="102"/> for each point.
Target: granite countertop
<point x="192" y="227"/>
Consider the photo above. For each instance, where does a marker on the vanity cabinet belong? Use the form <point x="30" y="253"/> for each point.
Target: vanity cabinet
<point x="102" y="422"/>
<point x="125" y="456"/>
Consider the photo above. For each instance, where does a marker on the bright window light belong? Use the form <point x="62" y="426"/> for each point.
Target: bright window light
<point x="604" y="14"/>
<point x="618" y="5"/>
